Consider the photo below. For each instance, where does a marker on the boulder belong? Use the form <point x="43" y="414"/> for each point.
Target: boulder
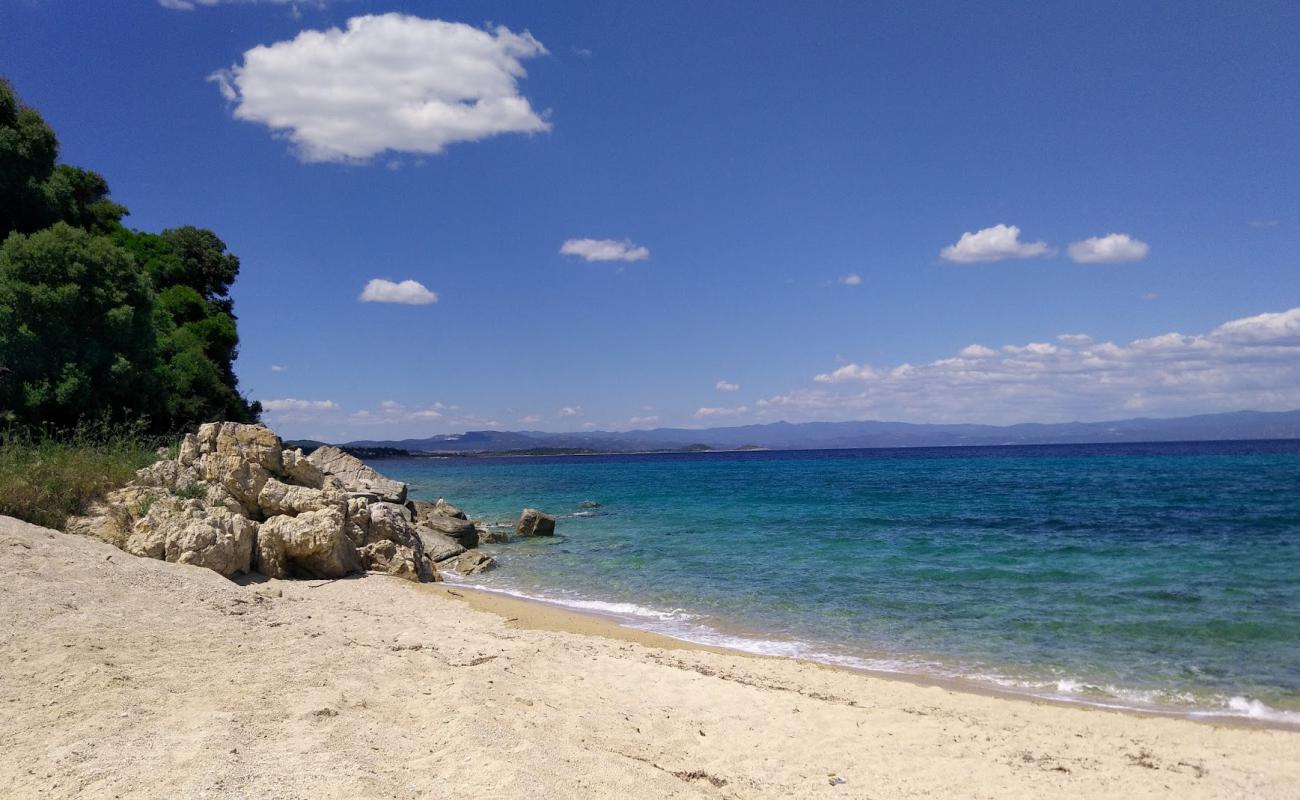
<point x="438" y="546"/>
<point x="256" y="443"/>
<point x="474" y="561"/>
<point x="189" y="450"/>
<point x="310" y="545"/>
<point x="387" y="540"/>
<point x="461" y="530"/>
<point x="491" y="535"/>
<point x="240" y="476"/>
<point x="188" y="532"/>
<point x="168" y="475"/>
<point x="299" y="470"/>
<point x="448" y="510"/>
<point x="535" y="523"/>
<point x="355" y="476"/>
<point x="278" y="497"/>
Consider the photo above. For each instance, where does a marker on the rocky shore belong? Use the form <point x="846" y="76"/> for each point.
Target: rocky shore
<point x="235" y="500"/>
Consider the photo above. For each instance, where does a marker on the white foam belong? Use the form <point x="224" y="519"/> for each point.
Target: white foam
<point x="680" y="624"/>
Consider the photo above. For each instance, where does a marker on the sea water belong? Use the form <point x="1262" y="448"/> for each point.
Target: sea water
<point x="1162" y="576"/>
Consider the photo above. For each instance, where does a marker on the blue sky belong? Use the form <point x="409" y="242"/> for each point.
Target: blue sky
<point x="791" y="184"/>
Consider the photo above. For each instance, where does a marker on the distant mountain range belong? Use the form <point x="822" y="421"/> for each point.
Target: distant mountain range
<point x="831" y="435"/>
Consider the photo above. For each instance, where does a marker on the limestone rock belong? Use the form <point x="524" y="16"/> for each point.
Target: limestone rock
<point x="187" y="532"/>
<point x="391" y="558"/>
<point x="168" y="475"/>
<point x="474" y="561"/>
<point x="438" y="546"/>
<point x="301" y="471"/>
<point x="310" y="545"/>
<point x="491" y="535"/>
<point x="240" y="476"/>
<point x="448" y="510"/>
<point x="388" y="541"/>
<point x="189" y="450"/>
<point x="277" y="498"/>
<point x="534" y="523"/>
<point x="257" y="443"/>
<point x="355" y="476"/>
<point x="461" y="530"/>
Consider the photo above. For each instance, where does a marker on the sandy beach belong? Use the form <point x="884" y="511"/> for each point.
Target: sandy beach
<point x="134" y="678"/>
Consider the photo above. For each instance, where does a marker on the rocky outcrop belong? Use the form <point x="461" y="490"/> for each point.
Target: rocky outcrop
<point x="310" y="545"/>
<point x="355" y="476"/>
<point x="234" y="500"/>
<point x="474" y="561"/>
<point x="535" y="523"/>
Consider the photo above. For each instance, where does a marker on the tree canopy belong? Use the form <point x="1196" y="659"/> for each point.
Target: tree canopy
<point x="98" y="320"/>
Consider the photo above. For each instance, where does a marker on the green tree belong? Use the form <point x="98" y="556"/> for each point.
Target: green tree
<point x="35" y="192"/>
<point x="77" y="330"/>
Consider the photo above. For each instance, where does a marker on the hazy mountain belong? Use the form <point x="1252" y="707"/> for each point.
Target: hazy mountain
<point x="813" y="435"/>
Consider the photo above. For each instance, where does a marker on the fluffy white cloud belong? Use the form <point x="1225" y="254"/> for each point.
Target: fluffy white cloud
<point x="993" y="244"/>
<point x="848" y="372"/>
<point x="727" y="386"/>
<point x="387" y="82"/>
<point x="279" y="368"/>
<point x="571" y="411"/>
<point x="293" y="404"/>
<point x="1253" y="362"/>
<point x="852" y="279"/>
<point x="1109" y="249"/>
<point x="715" y="412"/>
<point x="604" y="250"/>
<point x="410" y="293"/>
<point x="531" y="419"/>
<point x="641" y="422"/>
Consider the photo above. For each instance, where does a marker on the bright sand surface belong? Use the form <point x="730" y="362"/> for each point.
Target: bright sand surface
<point x="126" y="677"/>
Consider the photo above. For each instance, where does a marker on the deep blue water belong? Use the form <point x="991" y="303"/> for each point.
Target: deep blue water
<point x="1162" y="575"/>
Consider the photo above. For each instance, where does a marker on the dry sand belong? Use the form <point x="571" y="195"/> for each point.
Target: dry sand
<point x="125" y="677"/>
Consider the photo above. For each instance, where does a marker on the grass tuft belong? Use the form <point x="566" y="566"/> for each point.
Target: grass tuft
<point x="47" y="476"/>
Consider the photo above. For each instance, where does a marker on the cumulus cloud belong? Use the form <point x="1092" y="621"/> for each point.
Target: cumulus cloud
<point x="410" y="293"/>
<point x="1252" y="362"/>
<point x="279" y="368"/>
<point x="852" y="279"/>
<point x="294" y="404"/>
<point x="604" y="250"/>
<point x="727" y="386"/>
<point x="715" y="412"/>
<point x="639" y="422"/>
<point x="571" y="411"/>
<point x="1109" y="249"/>
<point x="531" y="419"/>
<point x="388" y="82"/>
<point x="993" y="244"/>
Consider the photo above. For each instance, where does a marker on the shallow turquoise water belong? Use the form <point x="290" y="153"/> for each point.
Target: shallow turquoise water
<point x="1157" y="575"/>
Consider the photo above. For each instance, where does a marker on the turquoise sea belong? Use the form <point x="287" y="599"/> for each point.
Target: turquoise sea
<point x="1151" y="576"/>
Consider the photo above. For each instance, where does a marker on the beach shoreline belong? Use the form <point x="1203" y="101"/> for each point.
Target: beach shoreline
<point x="538" y="614"/>
<point x="136" y="677"/>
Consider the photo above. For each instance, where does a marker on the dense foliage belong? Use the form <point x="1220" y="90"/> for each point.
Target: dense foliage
<point x="99" y="321"/>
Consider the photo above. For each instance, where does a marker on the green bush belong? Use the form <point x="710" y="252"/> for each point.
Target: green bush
<point x="47" y="476"/>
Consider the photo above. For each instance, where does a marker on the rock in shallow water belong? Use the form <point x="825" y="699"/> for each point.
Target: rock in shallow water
<point x="535" y="523"/>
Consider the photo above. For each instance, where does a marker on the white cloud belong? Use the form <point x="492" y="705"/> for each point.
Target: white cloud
<point x="604" y="250"/>
<point x="571" y="411"/>
<point x="410" y="293"/>
<point x="852" y="279"/>
<point x="293" y="404"/>
<point x="993" y="244"/>
<point x="1252" y="362"/>
<point x="638" y="422"/>
<point x="531" y="419"/>
<point x="727" y="386"/>
<point x="977" y="351"/>
<point x="1109" y="249"/>
<point x="714" y="412"/>
<point x="848" y="372"/>
<point x="279" y="368"/>
<point x="389" y="82"/>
